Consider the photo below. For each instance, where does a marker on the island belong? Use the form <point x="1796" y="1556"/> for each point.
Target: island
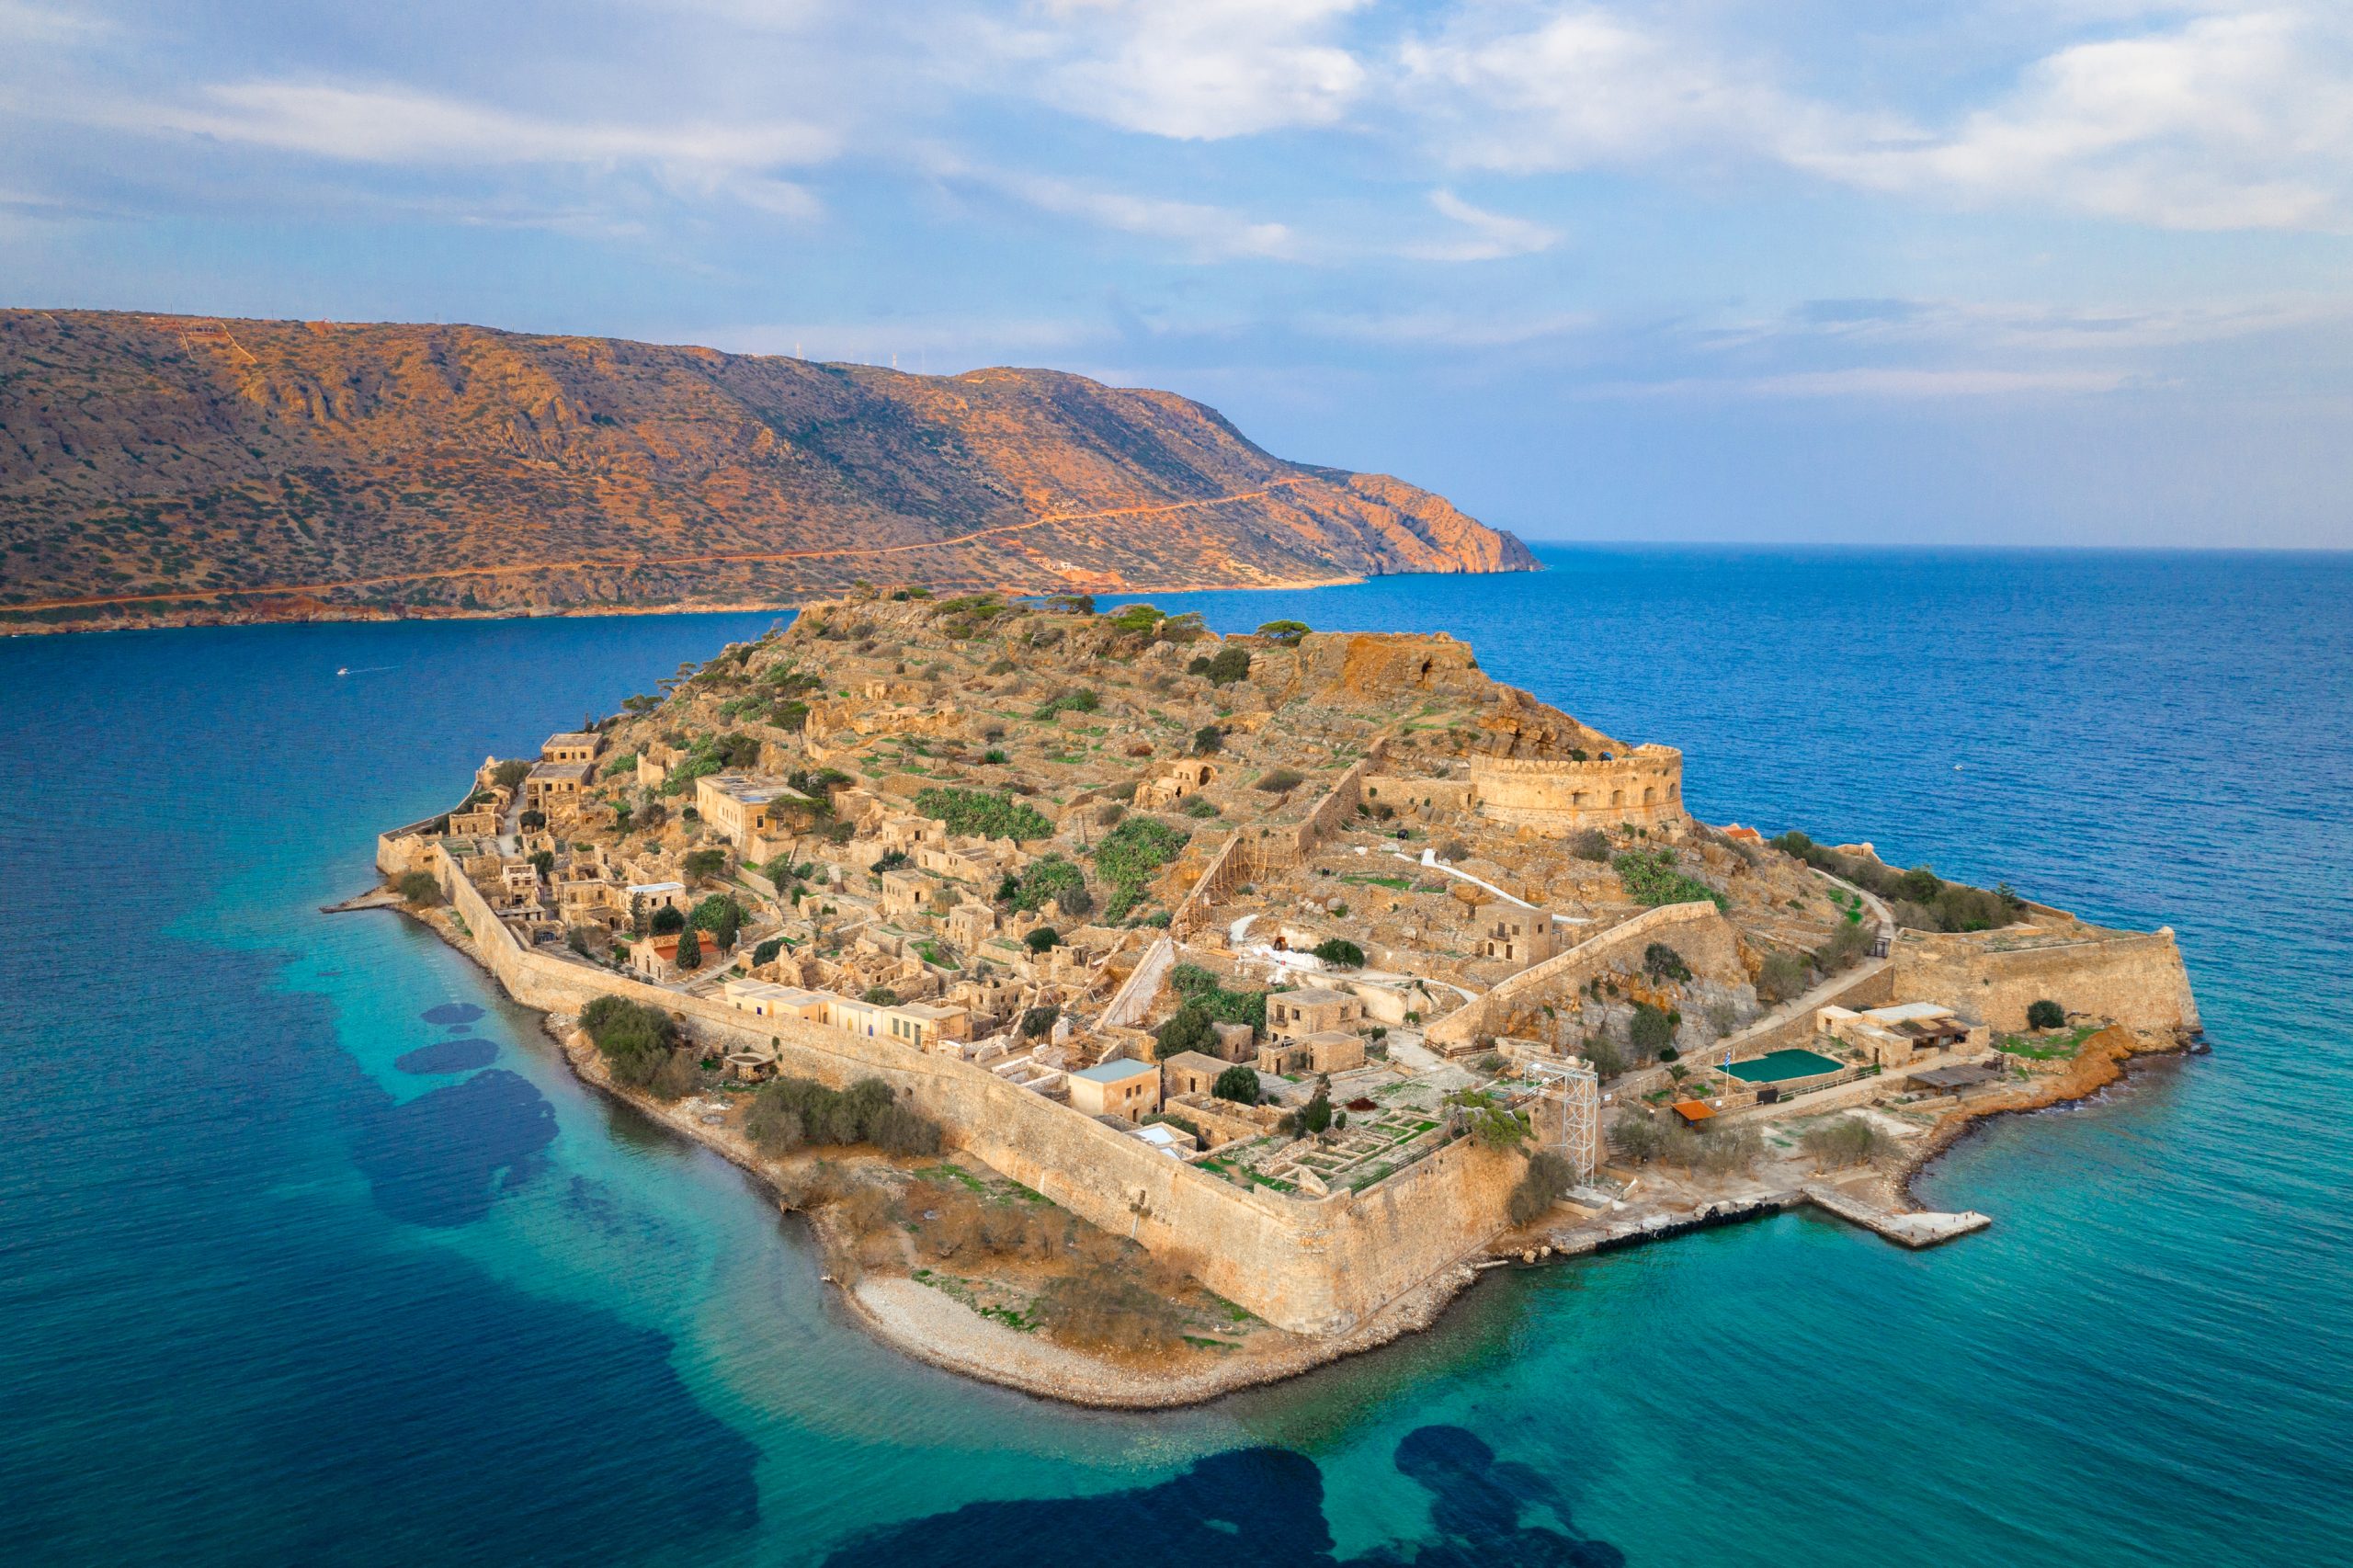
<point x="1137" y="1014"/>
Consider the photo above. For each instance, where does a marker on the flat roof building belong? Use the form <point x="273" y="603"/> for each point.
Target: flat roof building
<point x="1130" y="1090"/>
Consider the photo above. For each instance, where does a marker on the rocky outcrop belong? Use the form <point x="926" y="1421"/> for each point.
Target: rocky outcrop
<point x="163" y="469"/>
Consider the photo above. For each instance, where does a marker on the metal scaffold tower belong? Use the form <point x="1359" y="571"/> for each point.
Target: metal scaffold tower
<point x="1568" y="1109"/>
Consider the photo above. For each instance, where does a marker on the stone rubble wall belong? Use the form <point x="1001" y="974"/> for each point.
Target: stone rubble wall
<point x="1310" y="1266"/>
<point x="1697" y="930"/>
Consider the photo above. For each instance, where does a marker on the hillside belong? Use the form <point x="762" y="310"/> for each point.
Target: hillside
<point x="166" y="470"/>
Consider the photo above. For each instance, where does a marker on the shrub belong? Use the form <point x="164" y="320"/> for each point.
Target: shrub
<point x="676" y="1077"/>
<point x="1651" y="1032"/>
<point x="977" y="812"/>
<point x="880" y="996"/>
<point x="1038" y="1022"/>
<point x="1279" y="779"/>
<point x="1048" y="876"/>
<point x="1200" y="988"/>
<point x="1135" y="619"/>
<point x="1207" y="738"/>
<point x="789" y="1111"/>
<point x="667" y="921"/>
<point x="1230" y="664"/>
<point x="1849" y="1141"/>
<point x="2046" y="1015"/>
<point x="532" y="821"/>
<point x="418" y="888"/>
<point x="1453" y="850"/>
<point x="1238" y="1084"/>
<point x="1783" y="977"/>
<point x="1663" y="963"/>
<point x="633" y="1038"/>
<point x="1130" y="855"/>
<point x="1286" y="632"/>
<point x="1650" y="878"/>
<point x="1848" y="945"/>
<point x="1637" y="1137"/>
<point x="1076" y="699"/>
<point x="1590" y="843"/>
<point x="1547" y="1176"/>
<point x="510" y="773"/>
<point x="1042" y="938"/>
<point x="1341" y="951"/>
<point x="1188" y="1029"/>
<point x="1198" y="807"/>
<point x="701" y="863"/>
<point x="689" y="949"/>
<point x="767" y="951"/>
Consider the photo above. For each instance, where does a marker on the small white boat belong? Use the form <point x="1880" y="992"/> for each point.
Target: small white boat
<point x="344" y="670"/>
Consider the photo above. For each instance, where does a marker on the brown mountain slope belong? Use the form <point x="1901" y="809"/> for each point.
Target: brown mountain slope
<point x="175" y="469"/>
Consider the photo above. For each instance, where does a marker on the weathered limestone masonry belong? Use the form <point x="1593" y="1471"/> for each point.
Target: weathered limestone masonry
<point x="1644" y="787"/>
<point x="2133" y="977"/>
<point x="1698" y="931"/>
<point x="1240" y="858"/>
<point x="1311" y="1265"/>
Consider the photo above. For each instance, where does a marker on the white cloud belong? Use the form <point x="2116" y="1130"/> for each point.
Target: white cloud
<point x="2231" y="121"/>
<point x="1199" y="69"/>
<point x="1493" y="236"/>
<point x="398" y="125"/>
<point x="1203" y="232"/>
<point x="1450" y="329"/>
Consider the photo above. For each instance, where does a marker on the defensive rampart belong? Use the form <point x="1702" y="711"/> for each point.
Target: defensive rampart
<point x="1644" y="787"/>
<point x="2134" y="977"/>
<point x="1312" y="1266"/>
<point x="1698" y="931"/>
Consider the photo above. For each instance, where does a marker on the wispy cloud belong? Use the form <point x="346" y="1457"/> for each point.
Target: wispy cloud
<point x="400" y="125"/>
<point x="1200" y="231"/>
<point x="1202" y="70"/>
<point x="1491" y="236"/>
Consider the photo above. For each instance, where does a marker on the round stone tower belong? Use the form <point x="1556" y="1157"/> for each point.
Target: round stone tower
<point x="1644" y="787"/>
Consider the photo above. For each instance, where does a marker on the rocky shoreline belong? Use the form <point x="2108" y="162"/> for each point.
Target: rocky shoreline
<point x="928" y="1326"/>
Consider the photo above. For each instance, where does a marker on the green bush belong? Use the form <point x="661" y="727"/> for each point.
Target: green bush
<point x="1207" y="738"/>
<point x="1187" y="1028"/>
<point x="1652" y="1030"/>
<point x="2046" y="1015"/>
<point x="1286" y="632"/>
<point x="1339" y="950"/>
<point x="767" y="950"/>
<point x="1650" y="878"/>
<point x="1075" y="701"/>
<point x="418" y="888"/>
<point x="1230" y="664"/>
<point x="977" y="812"/>
<point x="1663" y="963"/>
<point x="1590" y="843"/>
<point x="1038" y="1022"/>
<point x="667" y="921"/>
<point x="790" y="1112"/>
<point x="511" y="773"/>
<point x="1277" y="780"/>
<point x="701" y="863"/>
<point x="1130" y="855"/>
<point x="1135" y="619"/>
<point x="1199" y="987"/>
<point x="1042" y="938"/>
<point x="635" y="1040"/>
<point x="1547" y="1176"/>
<point x="1238" y="1084"/>
<point x="1048" y="876"/>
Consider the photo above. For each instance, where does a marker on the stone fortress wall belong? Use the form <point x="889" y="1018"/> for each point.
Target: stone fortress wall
<point x="1313" y="1266"/>
<point x="2136" y="978"/>
<point x="1644" y="787"/>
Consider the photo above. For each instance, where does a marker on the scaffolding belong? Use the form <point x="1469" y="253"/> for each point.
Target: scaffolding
<point x="1568" y="1109"/>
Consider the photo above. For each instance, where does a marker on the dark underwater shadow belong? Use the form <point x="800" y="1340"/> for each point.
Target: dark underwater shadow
<point x="1251" y="1506"/>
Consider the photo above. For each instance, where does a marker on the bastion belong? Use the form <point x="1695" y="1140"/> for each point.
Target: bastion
<point x="1555" y="797"/>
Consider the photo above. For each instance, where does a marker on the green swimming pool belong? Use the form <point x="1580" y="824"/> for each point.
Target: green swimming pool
<point x="1781" y="1064"/>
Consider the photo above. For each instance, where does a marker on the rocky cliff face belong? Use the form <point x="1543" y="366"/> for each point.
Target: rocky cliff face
<point x="165" y="467"/>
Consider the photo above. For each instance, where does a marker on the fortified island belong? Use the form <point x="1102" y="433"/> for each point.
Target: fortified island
<point x="1139" y="1014"/>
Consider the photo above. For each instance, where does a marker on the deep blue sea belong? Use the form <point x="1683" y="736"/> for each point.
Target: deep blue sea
<point x="311" y="1251"/>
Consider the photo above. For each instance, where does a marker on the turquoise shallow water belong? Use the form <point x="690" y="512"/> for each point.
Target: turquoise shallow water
<point x="310" y="1252"/>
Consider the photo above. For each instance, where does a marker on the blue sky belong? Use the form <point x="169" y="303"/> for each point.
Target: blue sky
<point x="1993" y="271"/>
